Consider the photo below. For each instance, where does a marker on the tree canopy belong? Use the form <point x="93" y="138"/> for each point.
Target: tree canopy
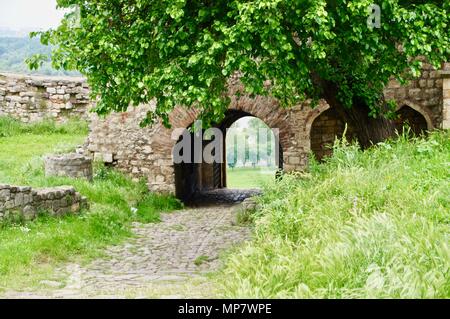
<point x="183" y="52"/>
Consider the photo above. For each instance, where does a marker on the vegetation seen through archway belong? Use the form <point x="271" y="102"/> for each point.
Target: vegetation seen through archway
<point x="250" y="154"/>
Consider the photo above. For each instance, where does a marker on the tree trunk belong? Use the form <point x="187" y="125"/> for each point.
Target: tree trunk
<point x="369" y="130"/>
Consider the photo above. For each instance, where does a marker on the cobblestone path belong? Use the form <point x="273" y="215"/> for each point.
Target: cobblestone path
<point x="171" y="259"/>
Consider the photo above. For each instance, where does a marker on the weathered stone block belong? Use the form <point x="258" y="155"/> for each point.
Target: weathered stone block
<point x="446" y="84"/>
<point x="446" y="94"/>
<point x="294" y="160"/>
<point x="108" y="157"/>
<point x="4" y="194"/>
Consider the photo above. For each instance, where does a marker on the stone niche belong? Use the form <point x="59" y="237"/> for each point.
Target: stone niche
<point x="69" y="165"/>
<point x="27" y="202"/>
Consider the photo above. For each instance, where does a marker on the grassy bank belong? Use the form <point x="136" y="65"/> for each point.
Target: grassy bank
<point x="372" y="224"/>
<point x="27" y="249"/>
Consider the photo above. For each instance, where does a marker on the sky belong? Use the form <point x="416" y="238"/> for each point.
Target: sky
<point x="26" y="14"/>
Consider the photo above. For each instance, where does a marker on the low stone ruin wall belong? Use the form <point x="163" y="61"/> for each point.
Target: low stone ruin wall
<point x="70" y="165"/>
<point x="35" y="98"/>
<point x="27" y="202"/>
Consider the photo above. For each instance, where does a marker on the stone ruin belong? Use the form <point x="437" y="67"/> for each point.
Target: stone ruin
<point x="27" y="203"/>
<point x="69" y="165"/>
<point x="119" y="141"/>
<point x="35" y="98"/>
<point x="147" y="152"/>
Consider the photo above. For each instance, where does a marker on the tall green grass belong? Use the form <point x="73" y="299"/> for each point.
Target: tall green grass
<point x="27" y="248"/>
<point x="12" y="127"/>
<point x="373" y="224"/>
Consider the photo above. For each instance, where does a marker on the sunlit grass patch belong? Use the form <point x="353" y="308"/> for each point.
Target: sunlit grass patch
<point x="248" y="177"/>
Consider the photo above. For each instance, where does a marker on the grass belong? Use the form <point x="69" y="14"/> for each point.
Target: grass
<point x="11" y="127"/>
<point x="371" y="224"/>
<point x="28" y="251"/>
<point x="248" y="177"/>
<point x="200" y="260"/>
<point x="23" y="145"/>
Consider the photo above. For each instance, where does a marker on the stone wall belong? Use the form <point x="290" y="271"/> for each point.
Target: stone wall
<point x="324" y="131"/>
<point x="423" y="95"/>
<point x="147" y="152"/>
<point x="27" y="202"/>
<point x="34" y="98"/>
<point x="446" y="97"/>
<point x="119" y="141"/>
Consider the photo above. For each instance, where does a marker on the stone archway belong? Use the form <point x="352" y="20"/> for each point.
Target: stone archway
<point x="147" y="152"/>
<point x="414" y="116"/>
<point x="192" y="179"/>
<point x="325" y="125"/>
<point x="324" y="129"/>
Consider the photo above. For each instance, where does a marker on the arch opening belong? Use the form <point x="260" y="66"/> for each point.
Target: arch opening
<point x="407" y="116"/>
<point x="324" y="130"/>
<point x="250" y="154"/>
<point x="220" y="176"/>
<point x="328" y="126"/>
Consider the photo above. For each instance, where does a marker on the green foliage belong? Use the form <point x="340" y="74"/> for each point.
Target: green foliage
<point x="200" y="260"/>
<point x="116" y="201"/>
<point x="15" y="57"/>
<point x="183" y="52"/>
<point x="148" y="208"/>
<point x="371" y="224"/>
<point x="245" y="217"/>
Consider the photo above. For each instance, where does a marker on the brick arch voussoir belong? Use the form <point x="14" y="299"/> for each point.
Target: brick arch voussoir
<point x="314" y="114"/>
<point x="311" y="117"/>
<point x="265" y="108"/>
<point x="180" y="118"/>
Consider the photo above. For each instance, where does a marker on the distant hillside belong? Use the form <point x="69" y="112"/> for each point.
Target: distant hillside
<point x="15" y="50"/>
